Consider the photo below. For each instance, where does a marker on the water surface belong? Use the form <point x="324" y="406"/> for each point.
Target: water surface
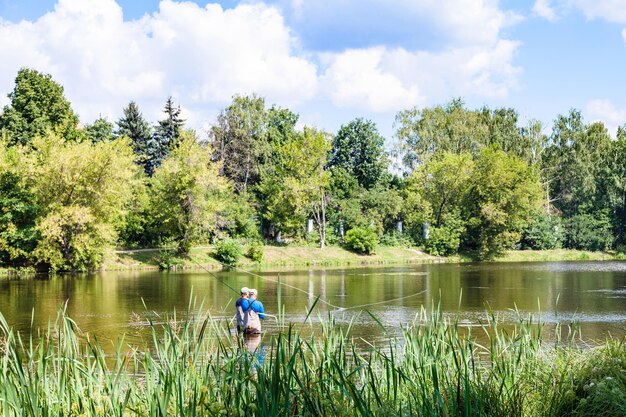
<point x="109" y="304"/>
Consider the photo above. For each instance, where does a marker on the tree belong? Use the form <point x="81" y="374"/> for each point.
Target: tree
<point x="450" y="128"/>
<point x="358" y="149"/>
<point x="101" y="130"/>
<point x="165" y="137"/>
<point x="296" y="185"/>
<point x="504" y="194"/>
<point x="37" y="105"/>
<point x="240" y="142"/>
<point x="444" y="182"/>
<point x="133" y="125"/>
<point x="187" y="194"/>
<point x="19" y="208"/>
<point x="83" y="189"/>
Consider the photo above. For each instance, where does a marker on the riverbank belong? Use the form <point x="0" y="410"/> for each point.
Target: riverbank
<point x="306" y="257"/>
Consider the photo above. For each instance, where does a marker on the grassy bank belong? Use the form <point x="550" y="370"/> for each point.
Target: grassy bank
<point x="273" y="256"/>
<point x="196" y="367"/>
<point x="304" y="256"/>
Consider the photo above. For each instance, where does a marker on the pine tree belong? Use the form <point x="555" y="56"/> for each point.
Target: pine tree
<point x="133" y="125"/>
<point x="166" y="135"/>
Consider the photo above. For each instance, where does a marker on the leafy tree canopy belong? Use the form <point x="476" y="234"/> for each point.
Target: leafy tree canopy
<point x="37" y="105"/>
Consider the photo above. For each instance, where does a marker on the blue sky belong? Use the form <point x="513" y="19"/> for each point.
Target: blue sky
<point x="328" y="60"/>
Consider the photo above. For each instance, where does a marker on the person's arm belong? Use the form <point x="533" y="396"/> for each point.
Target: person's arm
<point x="257" y="306"/>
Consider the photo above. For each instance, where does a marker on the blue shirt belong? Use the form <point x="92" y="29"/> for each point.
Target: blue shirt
<point x="257" y="307"/>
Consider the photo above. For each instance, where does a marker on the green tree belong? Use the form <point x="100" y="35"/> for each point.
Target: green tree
<point x="84" y="190"/>
<point x="187" y="195"/>
<point x="19" y="208"/>
<point x="37" y="105"/>
<point x="133" y="125"/>
<point x="450" y="128"/>
<point x="239" y="140"/>
<point x="101" y="130"/>
<point x="295" y="186"/>
<point x="444" y="182"/>
<point x="165" y="137"/>
<point x="505" y="193"/>
<point x="358" y="148"/>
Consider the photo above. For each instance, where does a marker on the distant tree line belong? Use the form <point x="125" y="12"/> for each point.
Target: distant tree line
<point x="470" y="180"/>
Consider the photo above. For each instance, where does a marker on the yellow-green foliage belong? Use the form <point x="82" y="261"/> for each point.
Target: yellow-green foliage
<point x="83" y="189"/>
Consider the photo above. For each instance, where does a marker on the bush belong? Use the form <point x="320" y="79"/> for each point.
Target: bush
<point x="255" y="252"/>
<point x="396" y="239"/>
<point x="442" y="241"/>
<point x="544" y="232"/>
<point x="361" y="240"/>
<point x="589" y="231"/>
<point x="598" y="383"/>
<point x="228" y="252"/>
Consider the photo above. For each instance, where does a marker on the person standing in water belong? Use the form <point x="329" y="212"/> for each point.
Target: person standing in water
<point x="242" y="305"/>
<point x="255" y="314"/>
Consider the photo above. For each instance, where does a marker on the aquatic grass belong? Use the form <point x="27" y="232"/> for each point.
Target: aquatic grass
<point x="195" y="366"/>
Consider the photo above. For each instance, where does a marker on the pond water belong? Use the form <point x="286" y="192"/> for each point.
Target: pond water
<point x="592" y="294"/>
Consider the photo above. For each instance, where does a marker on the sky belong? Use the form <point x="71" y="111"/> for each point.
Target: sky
<point x="330" y="61"/>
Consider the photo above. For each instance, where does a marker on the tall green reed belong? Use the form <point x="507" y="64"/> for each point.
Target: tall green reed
<point x="197" y="367"/>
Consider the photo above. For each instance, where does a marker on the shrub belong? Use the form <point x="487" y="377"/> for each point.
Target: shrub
<point x="361" y="240"/>
<point x="228" y="252"/>
<point x="589" y="231"/>
<point x="442" y="241"/>
<point x="255" y="252"/>
<point x="598" y="383"/>
<point x="544" y="232"/>
<point x="396" y="239"/>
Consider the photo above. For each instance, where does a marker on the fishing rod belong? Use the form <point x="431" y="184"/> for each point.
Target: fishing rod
<point x="335" y="307"/>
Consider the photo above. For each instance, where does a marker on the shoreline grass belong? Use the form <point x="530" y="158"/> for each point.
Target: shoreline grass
<point x="305" y="257"/>
<point x="196" y="367"/>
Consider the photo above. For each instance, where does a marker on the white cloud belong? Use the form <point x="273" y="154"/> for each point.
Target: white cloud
<point x="382" y="79"/>
<point x="543" y="9"/>
<point x="624" y="34"/>
<point x="602" y="110"/>
<point x="202" y="56"/>
<point x="609" y="10"/>
<point x="358" y="78"/>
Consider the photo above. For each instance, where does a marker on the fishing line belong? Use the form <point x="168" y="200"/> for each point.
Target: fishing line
<point x="329" y="304"/>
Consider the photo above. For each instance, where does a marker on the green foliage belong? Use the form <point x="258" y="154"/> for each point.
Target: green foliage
<point x="544" y="232"/>
<point x="445" y="240"/>
<point x="187" y="195"/>
<point x="358" y="149"/>
<point x="456" y="129"/>
<point x="195" y="367"/>
<point x="83" y="189"/>
<point x="167" y="259"/>
<point x="37" y="106"/>
<point x="597" y="383"/>
<point x="362" y="240"/>
<point x="165" y="137"/>
<point x="396" y="239"/>
<point x="240" y="141"/>
<point x="101" y="130"/>
<point x="240" y="217"/>
<point x="505" y="193"/>
<point x="228" y="252"/>
<point x="589" y="231"/>
<point x="19" y="208"/>
<point x="444" y="183"/>
<point x="296" y="184"/>
<point x="255" y="252"/>
<point x="136" y="128"/>
<point x="73" y="239"/>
